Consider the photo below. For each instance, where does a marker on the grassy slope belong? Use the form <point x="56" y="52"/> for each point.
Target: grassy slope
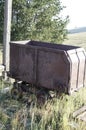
<point x="77" y="39"/>
<point x="53" y="114"/>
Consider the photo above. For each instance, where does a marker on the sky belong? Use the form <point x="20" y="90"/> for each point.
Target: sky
<point x="76" y="9"/>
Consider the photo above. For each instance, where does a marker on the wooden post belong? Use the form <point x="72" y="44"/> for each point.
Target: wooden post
<point x="6" y="34"/>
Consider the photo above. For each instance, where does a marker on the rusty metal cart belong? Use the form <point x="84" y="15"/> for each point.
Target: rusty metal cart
<point x="53" y="66"/>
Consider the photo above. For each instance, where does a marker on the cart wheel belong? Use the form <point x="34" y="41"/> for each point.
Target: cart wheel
<point x="16" y="93"/>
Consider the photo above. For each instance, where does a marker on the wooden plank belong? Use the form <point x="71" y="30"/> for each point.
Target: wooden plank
<point x="82" y="116"/>
<point x="78" y="112"/>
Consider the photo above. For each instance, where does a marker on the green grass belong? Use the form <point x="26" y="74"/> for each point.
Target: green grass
<point x="53" y="114"/>
<point x="32" y="113"/>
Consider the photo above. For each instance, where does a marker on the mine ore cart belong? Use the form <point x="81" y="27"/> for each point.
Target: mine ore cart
<point x="52" y="66"/>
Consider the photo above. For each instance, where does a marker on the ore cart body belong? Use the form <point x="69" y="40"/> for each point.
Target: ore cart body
<point x="52" y="66"/>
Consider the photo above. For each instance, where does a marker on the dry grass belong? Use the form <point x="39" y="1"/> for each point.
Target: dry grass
<point x="78" y="39"/>
<point x="54" y="114"/>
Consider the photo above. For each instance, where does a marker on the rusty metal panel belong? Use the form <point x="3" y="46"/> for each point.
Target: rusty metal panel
<point x="14" y="61"/>
<point x="22" y="63"/>
<point x="52" y="70"/>
<point x="26" y="65"/>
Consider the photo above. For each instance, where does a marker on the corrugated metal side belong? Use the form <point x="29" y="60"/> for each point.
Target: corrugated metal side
<point x="74" y="70"/>
<point x="81" y="59"/>
<point x="78" y="64"/>
<point x="84" y="69"/>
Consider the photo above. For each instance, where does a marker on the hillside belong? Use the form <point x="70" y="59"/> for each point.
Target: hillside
<point x="77" y="30"/>
<point x="78" y="39"/>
